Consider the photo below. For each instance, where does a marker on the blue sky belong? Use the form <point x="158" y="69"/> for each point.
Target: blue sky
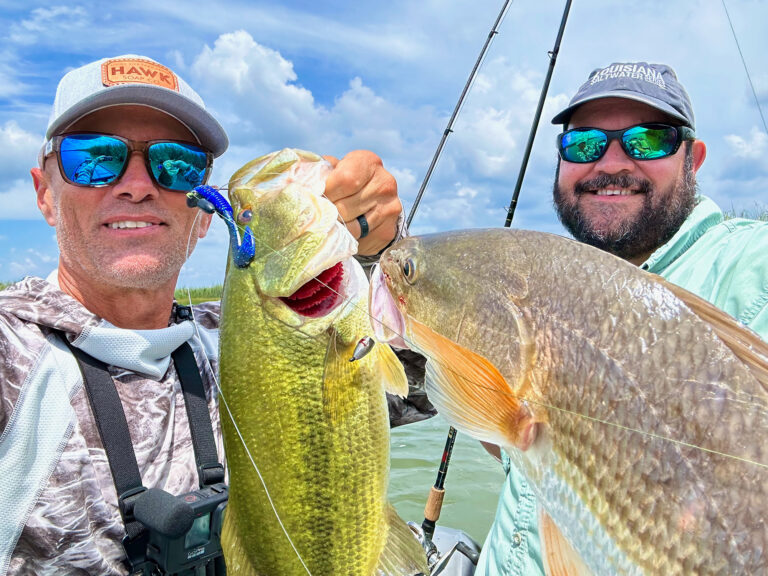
<point x="336" y="76"/>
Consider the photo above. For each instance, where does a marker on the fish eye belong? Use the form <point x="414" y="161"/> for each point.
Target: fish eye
<point x="409" y="270"/>
<point x="245" y="216"/>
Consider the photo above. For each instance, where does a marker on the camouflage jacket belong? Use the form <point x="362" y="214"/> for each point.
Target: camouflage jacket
<point x="58" y="499"/>
<point x="59" y="503"/>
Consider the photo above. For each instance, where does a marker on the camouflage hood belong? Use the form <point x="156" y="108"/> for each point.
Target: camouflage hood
<point x="41" y="302"/>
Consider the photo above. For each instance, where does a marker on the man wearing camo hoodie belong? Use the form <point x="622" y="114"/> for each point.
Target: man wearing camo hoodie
<point x="123" y="235"/>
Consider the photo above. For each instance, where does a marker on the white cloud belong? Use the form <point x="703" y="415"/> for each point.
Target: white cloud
<point x="43" y="20"/>
<point x="11" y="83"/>
<point x="405" y="177"/>
<point x="19" y="147"/>
<point x="19" y="152"/>
<point x="252" y="87"/>
<point x="741" y="176"/>
<point x="31" y="262"/>
<point x="450" y="208"/>
<point x="385" y="76"/>
<point x="755" y="147"/>
<point x="18" y="201"/>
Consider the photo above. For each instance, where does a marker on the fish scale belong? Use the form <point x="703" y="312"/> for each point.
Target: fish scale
<point x="315" y="424"/>
<point x="637" y="426"/>
<point x="315" y="454"/>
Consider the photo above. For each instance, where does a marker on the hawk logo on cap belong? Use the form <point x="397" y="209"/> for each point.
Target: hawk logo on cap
<point x="137" y="71"/>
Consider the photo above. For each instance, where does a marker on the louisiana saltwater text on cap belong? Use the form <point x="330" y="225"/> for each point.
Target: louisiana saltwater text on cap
<point x="653" y="84"/>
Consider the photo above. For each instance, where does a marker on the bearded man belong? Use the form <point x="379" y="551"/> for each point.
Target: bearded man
<point x="626" y="183"/>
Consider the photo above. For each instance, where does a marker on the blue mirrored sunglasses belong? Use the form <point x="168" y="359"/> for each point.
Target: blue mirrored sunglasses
<point x="641" y="142"/>
<point x="93" y="160"/>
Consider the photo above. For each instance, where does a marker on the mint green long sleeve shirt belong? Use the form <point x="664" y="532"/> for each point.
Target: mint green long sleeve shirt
<point x="722" y="261"/>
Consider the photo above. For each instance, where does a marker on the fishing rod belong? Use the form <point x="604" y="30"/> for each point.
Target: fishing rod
<point x="435" y="500"/>
<point x="449" y="127"/>
<point x="537" y="117"/>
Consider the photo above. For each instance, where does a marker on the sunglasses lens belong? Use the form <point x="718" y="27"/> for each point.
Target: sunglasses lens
<point x="178" y="166"/>
<point x="92" y="159"/>
<point x="582" y="146"/>
<point x="647" y="143"/>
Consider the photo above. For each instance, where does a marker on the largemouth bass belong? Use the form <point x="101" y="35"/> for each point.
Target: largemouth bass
<point x="314" y="423"/>
<point x="637" y="411"/>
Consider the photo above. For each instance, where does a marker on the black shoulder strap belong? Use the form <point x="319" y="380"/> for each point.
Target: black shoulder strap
<point x="110" y="420"/>
<point x="113" y="430"/>
<point x="209" y="470"/>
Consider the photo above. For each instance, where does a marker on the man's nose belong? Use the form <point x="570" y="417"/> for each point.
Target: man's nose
<point x="614" y="160"/>
<point x="136" y="184"/>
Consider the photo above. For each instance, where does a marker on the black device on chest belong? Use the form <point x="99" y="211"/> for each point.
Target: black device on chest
<point x="166" y="534"/>
<point x="184" y="530"/>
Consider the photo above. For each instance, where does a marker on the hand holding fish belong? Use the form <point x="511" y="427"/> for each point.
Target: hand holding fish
<point x="306" y="431"/>
<point x="360" y="186"/>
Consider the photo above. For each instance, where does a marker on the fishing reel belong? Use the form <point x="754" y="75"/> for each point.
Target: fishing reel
<point x="437" y="560"/>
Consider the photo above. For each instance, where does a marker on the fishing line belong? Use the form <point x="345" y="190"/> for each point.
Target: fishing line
<point x="744" y="63"/>
<point x="616" y="425"/>
<point x="345" y="300"/>
<point x="654" y="435"/>
<point x="232" y="417"/>
<point x="623" y="427"/>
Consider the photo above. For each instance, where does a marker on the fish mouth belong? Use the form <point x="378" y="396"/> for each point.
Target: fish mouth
<point x="388" y="322"/>
<point x="318" y="296"/>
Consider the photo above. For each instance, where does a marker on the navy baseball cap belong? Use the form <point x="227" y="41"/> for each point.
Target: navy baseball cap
<point x="652" y="84"/>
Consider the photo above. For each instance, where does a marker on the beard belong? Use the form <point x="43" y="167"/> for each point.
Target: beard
<point x="641" y="234"/>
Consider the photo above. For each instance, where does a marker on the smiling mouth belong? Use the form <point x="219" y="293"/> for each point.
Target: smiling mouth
<point x="615" y="192"/>
<point x="130" y="224"/>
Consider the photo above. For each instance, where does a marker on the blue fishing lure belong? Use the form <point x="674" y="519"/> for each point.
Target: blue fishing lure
<point x="208" y="199"/>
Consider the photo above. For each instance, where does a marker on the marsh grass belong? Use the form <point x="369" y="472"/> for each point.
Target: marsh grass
<point x="759" y="212"/>
<point x="198" y="295"/>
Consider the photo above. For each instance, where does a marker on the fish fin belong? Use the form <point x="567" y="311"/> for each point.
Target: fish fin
<point x="340" y="395"/>
<point x="234" y="551"/>
<point x="391" y="369"/>
<point x="742" y="341"/>
<point x="559" y="557"/>
<point x="402" y="555"/>
<point x="470" y="392"/>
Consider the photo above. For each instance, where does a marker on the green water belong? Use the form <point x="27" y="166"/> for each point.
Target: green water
<point x="472" y="485"/>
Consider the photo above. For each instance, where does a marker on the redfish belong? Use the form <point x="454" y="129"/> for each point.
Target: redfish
<point x="637" y="411"/>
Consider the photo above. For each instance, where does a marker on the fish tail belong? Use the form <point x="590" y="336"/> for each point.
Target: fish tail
<point x="391" y="369"/>
<point x="402" y="554"/>
<point x="234" y="550"/>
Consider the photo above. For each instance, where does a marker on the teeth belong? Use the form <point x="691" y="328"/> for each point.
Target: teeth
<point x="128" y="224"/>
<point x="612" y="192"/>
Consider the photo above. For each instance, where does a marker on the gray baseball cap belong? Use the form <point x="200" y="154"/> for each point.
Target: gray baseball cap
<point x="133" y="79"/>
<point x="653" y="84"/>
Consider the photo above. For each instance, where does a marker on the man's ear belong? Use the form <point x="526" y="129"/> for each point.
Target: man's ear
<point x="205" y="223"/>
<point x="699" y="154"/>
<point x="44" y="195"/>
